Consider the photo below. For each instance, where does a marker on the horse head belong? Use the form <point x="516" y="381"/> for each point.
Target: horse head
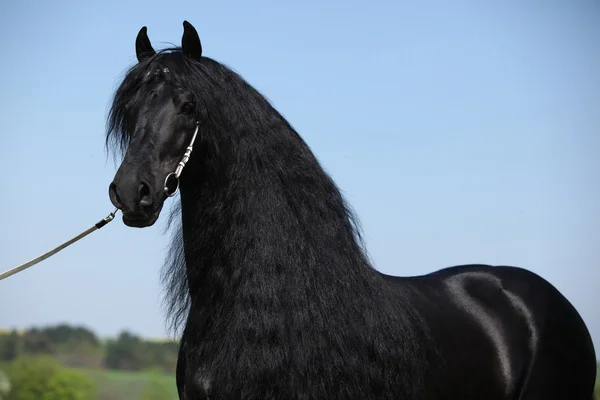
<point x="158" y="118"/>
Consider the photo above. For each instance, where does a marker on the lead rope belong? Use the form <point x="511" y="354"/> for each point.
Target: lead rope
<point x="171" y="186"/>
<point x="55" y="250"/>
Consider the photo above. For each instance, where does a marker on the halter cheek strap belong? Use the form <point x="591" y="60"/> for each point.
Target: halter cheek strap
<point x="172" y="180"/>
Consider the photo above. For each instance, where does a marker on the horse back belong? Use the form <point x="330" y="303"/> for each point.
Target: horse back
<point x="501" y="330"/>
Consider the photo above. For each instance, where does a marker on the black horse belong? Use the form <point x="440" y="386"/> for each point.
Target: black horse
<point x="268" y="276"/>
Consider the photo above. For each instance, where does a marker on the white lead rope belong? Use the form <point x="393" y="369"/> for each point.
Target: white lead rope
<point x="55" y="250"/>
<point x="170" y="188"/>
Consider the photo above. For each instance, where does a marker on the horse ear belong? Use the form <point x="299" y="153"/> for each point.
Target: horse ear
<point x="190" y="42"/>
<point x="143" y="47"/>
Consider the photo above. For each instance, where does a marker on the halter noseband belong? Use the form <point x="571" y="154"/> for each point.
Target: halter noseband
<point x="172" y="180"/>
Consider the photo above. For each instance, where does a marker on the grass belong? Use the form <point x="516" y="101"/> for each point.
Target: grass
<point x="120" y="385"/>
<point x="597" y="391"/>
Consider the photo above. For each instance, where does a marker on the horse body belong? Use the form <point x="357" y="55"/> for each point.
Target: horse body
<point x="504" y="333"/>
<point x="269" y="277"/>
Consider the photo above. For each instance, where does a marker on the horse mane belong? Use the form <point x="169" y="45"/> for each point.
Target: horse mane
<point x="228" y="100"/>
<point x="173" y="273"/>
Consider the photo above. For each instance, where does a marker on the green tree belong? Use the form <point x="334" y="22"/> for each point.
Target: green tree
<point x="4" y="385"/>
<point x="69" y="385"/>
<point x="126" y="353"/>
<point x="9" y="346"/>
<point x="35" y="341"/>
<point x="36" y="377"/>
<point x="63" y="333"/>
<point x="29" y="377"/>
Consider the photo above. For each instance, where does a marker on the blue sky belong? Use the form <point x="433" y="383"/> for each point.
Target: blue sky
<point x="461" y="132"/>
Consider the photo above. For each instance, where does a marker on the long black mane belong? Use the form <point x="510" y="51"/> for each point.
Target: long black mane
<point x="213" y="81"/>
<point x="294" y="225"/>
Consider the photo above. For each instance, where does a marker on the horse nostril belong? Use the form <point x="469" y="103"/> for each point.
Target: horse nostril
<point x="145" y="197"/>
<point x="114" y="196"/>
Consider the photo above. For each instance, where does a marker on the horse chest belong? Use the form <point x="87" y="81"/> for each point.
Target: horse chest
<point x="199" y="386"/>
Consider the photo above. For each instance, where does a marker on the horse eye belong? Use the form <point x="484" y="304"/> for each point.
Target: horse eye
<point x="188" y="108"/>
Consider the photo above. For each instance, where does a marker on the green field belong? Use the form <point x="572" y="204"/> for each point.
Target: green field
<point x="117" y="385"/>
<point x="598" y="382"/>
<point x="60" y="360"/>
<point x="120" y="385"/>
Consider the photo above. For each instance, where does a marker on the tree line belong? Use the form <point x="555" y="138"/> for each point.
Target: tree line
<point x="77" y="346"/>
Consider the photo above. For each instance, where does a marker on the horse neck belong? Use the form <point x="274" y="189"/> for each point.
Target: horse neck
<point x="275" y="271"/>
<point x="273" y="231"/>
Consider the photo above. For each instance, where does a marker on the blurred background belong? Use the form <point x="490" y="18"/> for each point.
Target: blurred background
<point x="460" y="132"/>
